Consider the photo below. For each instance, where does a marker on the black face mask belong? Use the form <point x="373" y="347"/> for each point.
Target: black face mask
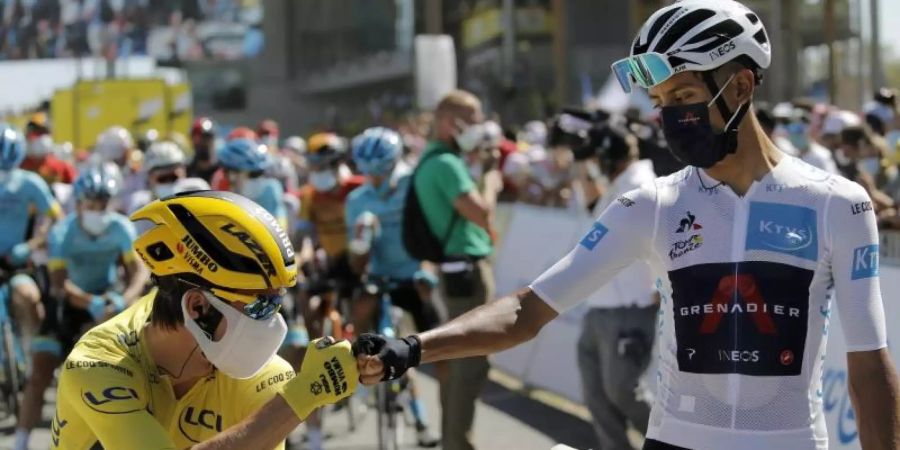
<point x="689" y="132"/>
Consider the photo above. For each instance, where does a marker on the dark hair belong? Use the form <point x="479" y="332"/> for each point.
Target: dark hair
<point x="166" y="312"/>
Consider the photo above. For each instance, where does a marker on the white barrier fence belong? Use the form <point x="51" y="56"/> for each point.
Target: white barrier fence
<point x="533" y="238"/>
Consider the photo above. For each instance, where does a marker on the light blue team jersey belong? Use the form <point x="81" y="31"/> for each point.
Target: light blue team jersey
<point x="91" y="261"/>
<point x="22" y="197"/>
<point x="388" y="257"/>
<point x="271" y="197"/>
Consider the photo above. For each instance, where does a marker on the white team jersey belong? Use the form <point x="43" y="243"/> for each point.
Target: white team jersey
<point x="747" y="286"/>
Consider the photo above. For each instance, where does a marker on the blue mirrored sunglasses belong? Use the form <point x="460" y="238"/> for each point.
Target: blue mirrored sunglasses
<point x="645" y="70"/>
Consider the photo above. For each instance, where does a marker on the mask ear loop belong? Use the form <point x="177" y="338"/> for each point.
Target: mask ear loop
<point x="735" y="117"/>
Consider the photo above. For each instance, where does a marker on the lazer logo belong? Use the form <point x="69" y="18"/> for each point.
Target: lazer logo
<point x="206" y="419"/>
<point x="594" y="236"/>
<point x="279" y="231"/>
<point x="786" y="229"/>
<point x="194" y="255"/>
<point x="253" y="246"/>
<point x="865" y="262"/>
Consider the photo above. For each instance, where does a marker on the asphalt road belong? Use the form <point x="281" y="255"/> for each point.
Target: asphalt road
<point x="505" y="419"/>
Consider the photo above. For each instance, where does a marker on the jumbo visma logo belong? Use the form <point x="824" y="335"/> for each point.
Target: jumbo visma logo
<point x="785" y="229"/>
<point x="113" y="400"/>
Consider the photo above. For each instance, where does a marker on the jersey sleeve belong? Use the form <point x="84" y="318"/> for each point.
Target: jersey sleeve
<point x="622" y="234"/>
<point x="257" y="391"/>
<point x="56" y="246"/>
<point x="110" y="404"/>
<point x="42" y="198"/>
<point x="853" y="234"/>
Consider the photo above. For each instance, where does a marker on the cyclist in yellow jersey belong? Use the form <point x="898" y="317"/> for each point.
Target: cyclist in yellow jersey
<point x="192" y="364"/>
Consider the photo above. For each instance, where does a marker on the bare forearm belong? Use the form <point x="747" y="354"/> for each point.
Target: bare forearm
<point x="491" y="328"/>
<point x="265" y="429"/>
<point x="875" y="393"/>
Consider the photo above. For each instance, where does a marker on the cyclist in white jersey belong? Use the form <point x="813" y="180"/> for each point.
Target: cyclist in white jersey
<point x="752" y="249"/>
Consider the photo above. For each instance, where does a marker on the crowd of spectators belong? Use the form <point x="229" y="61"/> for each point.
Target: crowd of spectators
<point x="566" y="160"/>
<point x="34" y="29"/>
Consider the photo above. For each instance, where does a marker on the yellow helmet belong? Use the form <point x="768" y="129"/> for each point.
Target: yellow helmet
<point x="224" y="239"/>
<point x="323" y="148"/>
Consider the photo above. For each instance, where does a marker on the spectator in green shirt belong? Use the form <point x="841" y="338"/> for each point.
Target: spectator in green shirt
<point x="458" y="215"/>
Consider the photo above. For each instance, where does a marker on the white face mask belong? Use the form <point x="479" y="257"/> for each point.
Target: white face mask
<point x="323" y="180"/>
<point x="248" y="344"/>
<point x="40" y="146"/>
<point x="470" y="137"/>
<point x="163" y="190"/>
<point x="95" y="222"/>
<point x="252" y="188"/>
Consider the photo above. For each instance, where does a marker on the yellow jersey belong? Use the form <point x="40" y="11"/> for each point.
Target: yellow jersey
<point x="112" y="396"/>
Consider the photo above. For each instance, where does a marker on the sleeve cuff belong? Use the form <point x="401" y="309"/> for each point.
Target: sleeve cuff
<point x="546" y="298"/>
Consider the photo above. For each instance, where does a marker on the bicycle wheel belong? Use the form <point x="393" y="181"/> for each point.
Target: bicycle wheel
<point x="12" y="378"/>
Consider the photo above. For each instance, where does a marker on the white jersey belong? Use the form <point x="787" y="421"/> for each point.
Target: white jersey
<point x="747" y="286"/>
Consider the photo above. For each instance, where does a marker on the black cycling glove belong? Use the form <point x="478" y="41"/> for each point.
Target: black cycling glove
<point x="397" y="355"/>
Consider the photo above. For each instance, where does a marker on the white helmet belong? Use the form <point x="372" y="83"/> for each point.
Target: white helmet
<point x="703" y="35"/>
<point x="295" y="144"/>
<point x="694" y="35"/>
<point x="163" y="154"/>
<point x="113" y="143"/>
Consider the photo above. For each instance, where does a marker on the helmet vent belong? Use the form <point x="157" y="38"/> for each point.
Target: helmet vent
<point x="159" y="252"/>
<point x="753" y="18"/>
<point x="680" y="28"/>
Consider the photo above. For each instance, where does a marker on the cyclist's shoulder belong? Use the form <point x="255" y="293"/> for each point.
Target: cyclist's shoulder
<point x="29" y="180"/>
<point x="120" y="223"/>
<point x="362" y="194"/>
<point x="824" y="183"/>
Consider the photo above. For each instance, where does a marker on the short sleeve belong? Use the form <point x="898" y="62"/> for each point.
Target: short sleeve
<point x="56" y="246"/>
<point x="449" y="176"/>
<point x="621" y="235"/>
<point x="853" y="234"/>
<point x="109" y="398"/>
<point x="257" y="391"/>
<point x="41" y="196"/>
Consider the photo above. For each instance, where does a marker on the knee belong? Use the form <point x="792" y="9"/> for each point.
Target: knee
<point x="24" y="291"/>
